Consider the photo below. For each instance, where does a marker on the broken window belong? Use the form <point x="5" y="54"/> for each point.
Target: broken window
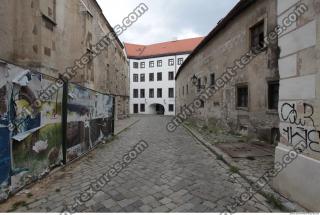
<point x="242" y="96"/>
<point x="273" y="95"/>
<point x="257" y="37"/>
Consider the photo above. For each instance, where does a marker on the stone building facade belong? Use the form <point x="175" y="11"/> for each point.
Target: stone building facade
<point x="49" y="35"/>
<point x="248" y="102"/>
<point x="298" y="153"/>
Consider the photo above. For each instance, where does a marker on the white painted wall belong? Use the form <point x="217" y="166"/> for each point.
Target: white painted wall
<point x="165" y="84"/>
<point x="299" y="108"/>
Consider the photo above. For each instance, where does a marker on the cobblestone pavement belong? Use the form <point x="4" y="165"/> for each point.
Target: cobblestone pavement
<point x="175" y="174"/>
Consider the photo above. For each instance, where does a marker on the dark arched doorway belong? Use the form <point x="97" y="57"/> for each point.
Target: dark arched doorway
<point x="158" y="109"/>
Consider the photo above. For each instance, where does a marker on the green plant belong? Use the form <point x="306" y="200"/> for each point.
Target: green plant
<point x="16" y="205"/>
<point x="271" y="199"/>
<point x="234" y="169"/>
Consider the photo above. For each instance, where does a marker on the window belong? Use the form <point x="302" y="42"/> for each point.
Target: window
<point x="171" y="76"/>
<point x="151" y="64"/>
<point x="199" y="84"/>
<point x="187" y="89"/>
<point x="159" y="93"/>
<point x="171" y="93"/>
<point x="135" y="78"/>
<point x="257" y="36"/>
<point x="212" y="79"/>
<point x="151" y="93"/>
<point x="142" y="65"/>
<point x="202" y="104"/>
<point x="242" y="96"/>
<point x="135" y="93"/>
<point x="171" y="108"/>
<point x="159" y="63"/>
<point x="273" y="95"/>
<point x="183" y="91"/>
<point x="142" y="93"/>
<point x="135" y="65"/>
<point x="159" y="76"/>
<point x="142" y="77"/>
<point x="180" y="61"/>
<point x="151" y="77"/>
<point x="171" y="62"/>
<point x="142" y="108"/>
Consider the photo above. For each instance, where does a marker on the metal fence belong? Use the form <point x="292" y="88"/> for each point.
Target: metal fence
<point x="34" y="139"/>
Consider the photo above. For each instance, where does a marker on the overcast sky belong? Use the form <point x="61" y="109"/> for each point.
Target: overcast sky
<point x="167" y="19"/>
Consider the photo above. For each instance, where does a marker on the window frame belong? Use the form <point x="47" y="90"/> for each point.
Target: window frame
<point x="169" y="109"/>
<point x="161" y="78"/>
<point x="270" y="106"/>
<point x="135" y="65"/>
<point x="159" y="90"/>
<point x="151" y="90"/>
<point x="135" y="96"/>
<point x="151" y="75"/>
<point x="171" y="62"/>
<point x="151" y="64"/>
<point x="238" y="105"/>
<point x="169" y="92"/>
<point x="142" y="77"/>
<point x="142" y="93"/>
<point x="136" y="80"/>
<point x="180" y="61"/>
<point x="142" y="65"/>
<point x="159" y="63"/>
<point x="169" y="77"/>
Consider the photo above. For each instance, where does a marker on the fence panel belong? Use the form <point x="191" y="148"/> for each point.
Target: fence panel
<point x="35" y="137"/>
<point x="90" y="120"/>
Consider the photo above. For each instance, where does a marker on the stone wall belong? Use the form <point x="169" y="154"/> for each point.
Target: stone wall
<point x="49" y="35"/>
<point x="221" y="52"/>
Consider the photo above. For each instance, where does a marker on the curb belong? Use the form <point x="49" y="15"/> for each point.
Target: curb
<point x="228" y="161"/>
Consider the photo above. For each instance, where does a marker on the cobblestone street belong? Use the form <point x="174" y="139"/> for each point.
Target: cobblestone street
<point x="175" y="174"/>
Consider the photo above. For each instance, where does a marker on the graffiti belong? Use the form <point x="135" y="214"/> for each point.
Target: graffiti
<point x="298" y="125"/>
<point x="299" y="114"/>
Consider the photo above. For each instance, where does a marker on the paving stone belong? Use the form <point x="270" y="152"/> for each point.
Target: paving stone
<point x="174" y="167"/>
<point x="145" y="208"/>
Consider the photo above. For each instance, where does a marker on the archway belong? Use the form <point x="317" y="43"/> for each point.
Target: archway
<point x="157" y="109"/>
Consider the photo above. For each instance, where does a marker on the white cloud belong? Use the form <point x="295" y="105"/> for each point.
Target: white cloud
<point x="166" y="19"/>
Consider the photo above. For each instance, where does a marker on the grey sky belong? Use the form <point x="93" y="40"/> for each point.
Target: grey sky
<point x="167" y="19"/>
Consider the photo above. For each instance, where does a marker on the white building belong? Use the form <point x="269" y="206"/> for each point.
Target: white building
<point x="152" y="74"/>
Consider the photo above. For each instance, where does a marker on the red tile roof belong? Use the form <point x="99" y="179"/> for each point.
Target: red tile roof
<point x="162" y="49"/>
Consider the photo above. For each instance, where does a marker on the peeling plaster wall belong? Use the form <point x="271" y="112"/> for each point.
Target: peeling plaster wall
<point x="26" y="40"/>
<point x="230" y="44"/>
